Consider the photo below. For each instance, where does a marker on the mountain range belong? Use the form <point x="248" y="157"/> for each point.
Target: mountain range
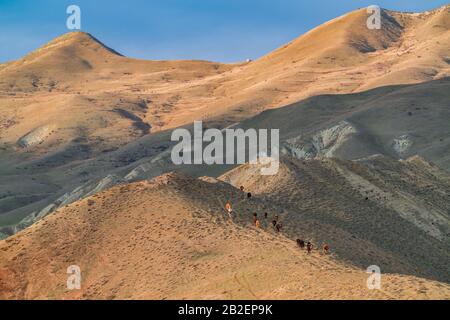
<point x="86" y="176"/>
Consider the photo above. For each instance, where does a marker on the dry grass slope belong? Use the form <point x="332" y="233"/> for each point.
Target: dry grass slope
<point x="169" y="239"/>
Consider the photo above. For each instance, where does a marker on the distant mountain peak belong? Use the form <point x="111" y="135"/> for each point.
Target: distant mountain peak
<point x="78" y="38"/>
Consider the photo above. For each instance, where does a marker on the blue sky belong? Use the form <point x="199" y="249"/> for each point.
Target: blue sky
<point x="217" y="30"/>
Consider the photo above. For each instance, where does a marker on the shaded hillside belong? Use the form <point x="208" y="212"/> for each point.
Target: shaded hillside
<point x="398" y="121"/>
<point x="377" y="210"/>
<point x="171" y="239"/>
